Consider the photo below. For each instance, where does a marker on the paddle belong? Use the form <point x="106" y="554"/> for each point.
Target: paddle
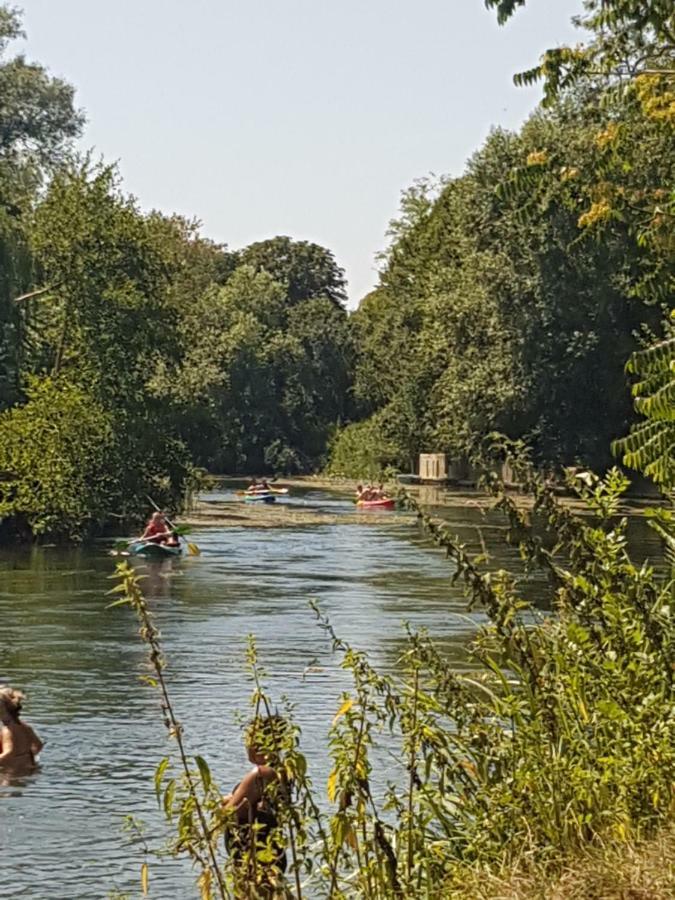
<point x="193" y="549"/>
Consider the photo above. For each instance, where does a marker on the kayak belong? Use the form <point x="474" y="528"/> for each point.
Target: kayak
<point x="271" y="490"/>
<point x="156" y="551"/>
<point x="376" y="504"/>
<point x="260" y="497"/>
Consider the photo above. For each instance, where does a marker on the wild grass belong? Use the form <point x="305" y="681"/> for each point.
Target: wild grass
<point x="559" y="747"/>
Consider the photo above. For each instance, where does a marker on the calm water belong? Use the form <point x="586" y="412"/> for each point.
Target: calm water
<point x="61" y="828"/>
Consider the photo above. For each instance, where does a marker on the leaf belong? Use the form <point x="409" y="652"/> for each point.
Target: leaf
<point x="346" y="706"/>
<point x="159" y="775"/>
<point x="169" y="795"/>
<point x="144" y="879"/>
<point x="125" y="601"/>
<point x="204" y="771"/>
<point x="205" y="885"/>
<point x="332" y="782"/>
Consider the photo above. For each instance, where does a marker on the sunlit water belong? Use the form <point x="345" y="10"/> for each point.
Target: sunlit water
<point x="61" y="833"/>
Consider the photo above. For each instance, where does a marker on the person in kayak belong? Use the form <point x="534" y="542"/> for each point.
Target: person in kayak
<point x="378" y="493"/>
<point x="253" y="805"/>
<point x="158" y="531"/>
<point x="19" y="744"/>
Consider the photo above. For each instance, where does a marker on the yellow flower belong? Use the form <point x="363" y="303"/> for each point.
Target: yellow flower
<point x="608" y="136"/>
<point x="537" y="158"/>
<point x="600" y="211"/>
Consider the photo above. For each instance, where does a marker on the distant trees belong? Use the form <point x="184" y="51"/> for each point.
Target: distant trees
<point x="266" y="361"/>
<point x="510" y="298"/>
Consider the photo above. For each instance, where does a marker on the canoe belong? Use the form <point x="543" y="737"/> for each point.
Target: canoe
<point x="156" y="551"/>
<point x="376" y="504"/>
<point x="260" y="497"/>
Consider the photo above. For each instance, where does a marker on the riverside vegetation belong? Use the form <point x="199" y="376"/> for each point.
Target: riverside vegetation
<point x="558" y="743"/>
<point x="509" y="298"/>
<point x="133" y="351"/>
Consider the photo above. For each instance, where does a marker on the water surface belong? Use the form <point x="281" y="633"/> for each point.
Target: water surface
<point x="61" y="830"/>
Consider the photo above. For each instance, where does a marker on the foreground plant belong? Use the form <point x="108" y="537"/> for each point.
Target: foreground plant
<point x="560" y="739"/>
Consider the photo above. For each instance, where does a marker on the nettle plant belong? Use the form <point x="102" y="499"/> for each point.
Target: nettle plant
<point x="561" y="735"/>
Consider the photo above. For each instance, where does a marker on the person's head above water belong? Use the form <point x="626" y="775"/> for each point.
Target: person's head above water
<point x="11" y="702"/>
<point x="264" y="739"/>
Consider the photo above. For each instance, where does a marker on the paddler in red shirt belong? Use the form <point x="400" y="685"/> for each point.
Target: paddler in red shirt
<point x="158" y="531"/>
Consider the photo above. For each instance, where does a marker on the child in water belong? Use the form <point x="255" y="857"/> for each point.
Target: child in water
<point x="19" y="745"/>
<point x="254" y="828"/>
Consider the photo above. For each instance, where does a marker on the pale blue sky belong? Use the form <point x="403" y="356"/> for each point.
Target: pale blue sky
<point x="298" y="117"/>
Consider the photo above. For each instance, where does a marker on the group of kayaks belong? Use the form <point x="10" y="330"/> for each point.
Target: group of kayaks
<point x="256" y="493"/>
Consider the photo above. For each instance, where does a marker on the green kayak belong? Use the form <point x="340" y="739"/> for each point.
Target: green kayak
<point x="156" y="551"/>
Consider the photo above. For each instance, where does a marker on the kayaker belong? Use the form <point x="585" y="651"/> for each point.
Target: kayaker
<point x="368" y="493"/>
<point x="254" y="802"/>
<point x="19" y="744"/>
<point x="158" y="531"/>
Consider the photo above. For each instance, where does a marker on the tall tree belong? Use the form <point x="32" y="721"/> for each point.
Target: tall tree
<point x="306" y="270"/>
<point x="38" y="120"/>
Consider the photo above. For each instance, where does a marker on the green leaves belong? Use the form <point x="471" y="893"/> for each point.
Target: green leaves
<point x="650" y="447"/>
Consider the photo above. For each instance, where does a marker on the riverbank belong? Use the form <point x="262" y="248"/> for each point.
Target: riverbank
<point x="644" y="871"/>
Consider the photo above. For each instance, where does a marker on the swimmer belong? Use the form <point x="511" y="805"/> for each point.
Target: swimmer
<point x="19" y="744"/>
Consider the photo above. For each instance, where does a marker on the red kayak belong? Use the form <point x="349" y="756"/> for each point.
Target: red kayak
<point x="376" y="504"/>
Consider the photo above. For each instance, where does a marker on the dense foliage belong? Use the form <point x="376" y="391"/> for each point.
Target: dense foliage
<point x="131" y="349"/>
<point x="511" y="296"/>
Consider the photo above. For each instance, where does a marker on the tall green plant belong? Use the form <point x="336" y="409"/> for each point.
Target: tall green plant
<point x="561" y="736"/>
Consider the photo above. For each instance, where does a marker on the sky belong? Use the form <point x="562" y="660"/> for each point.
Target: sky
<point x="299" y="117"/>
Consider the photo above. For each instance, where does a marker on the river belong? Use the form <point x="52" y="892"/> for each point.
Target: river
<point x="61" y="828"/>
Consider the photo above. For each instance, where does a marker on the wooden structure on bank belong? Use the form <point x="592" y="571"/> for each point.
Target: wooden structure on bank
<point x="433" y="467"/>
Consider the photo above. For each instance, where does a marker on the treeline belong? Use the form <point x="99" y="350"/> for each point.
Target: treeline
<point x="131" y="349"/>
<point x="511" y="297"/>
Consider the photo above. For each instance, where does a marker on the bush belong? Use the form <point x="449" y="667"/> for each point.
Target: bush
<point x="363" y="450"/>
<point x="70" y="467"/>
<point x="54" y="452"/>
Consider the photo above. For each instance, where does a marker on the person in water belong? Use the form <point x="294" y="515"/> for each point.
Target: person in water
<point x="158" y="531"/>
<point x="252" y="807"/>
<point x="19" y="744"/>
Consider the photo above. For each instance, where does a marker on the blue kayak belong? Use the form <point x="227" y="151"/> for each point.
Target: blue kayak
<point x="260" y="497"/>
<point x="156" y="551"/>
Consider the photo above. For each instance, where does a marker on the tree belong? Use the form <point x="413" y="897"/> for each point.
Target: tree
<point x="306" y="270"/>
<point x="37" y="123"/>
<point x="629" y="38"/>
<point x="265" y="371"/>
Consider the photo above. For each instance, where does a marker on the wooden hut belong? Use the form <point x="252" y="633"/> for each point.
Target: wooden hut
<point x="433" y="467"/>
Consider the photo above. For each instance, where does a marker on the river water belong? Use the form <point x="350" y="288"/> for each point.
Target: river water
<point x="61" y="828"/>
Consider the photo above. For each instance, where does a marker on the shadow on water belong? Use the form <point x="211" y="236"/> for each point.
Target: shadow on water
<point x="79" y="661"/>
